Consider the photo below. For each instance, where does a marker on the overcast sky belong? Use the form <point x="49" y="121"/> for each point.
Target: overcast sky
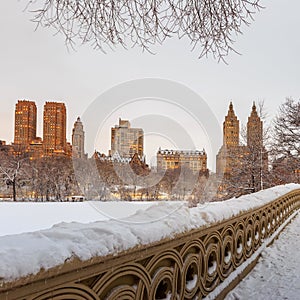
<point x="36" y="65"/>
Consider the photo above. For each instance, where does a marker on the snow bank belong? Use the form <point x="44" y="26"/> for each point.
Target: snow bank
<point x="20" y="217"/>
<point x="27" y="253"/>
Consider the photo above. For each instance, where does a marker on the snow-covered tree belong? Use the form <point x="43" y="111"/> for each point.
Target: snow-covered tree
<point x="13" y="171"/>
<point x="52" y="178"/>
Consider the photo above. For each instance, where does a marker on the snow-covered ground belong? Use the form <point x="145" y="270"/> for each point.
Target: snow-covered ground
<point x="277" y="273"/>
<point x="20" y="217"/>
<point x="85" y="236"/>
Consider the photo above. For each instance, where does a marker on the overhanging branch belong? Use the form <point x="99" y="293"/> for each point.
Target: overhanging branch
<point x="210" y="24"/>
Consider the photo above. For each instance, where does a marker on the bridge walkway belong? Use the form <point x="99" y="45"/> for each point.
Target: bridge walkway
<point x="277" y="273"/>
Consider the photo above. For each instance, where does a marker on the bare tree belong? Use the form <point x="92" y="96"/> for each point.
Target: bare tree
<point x="208" y="23"/>
<point x="95" y="177"/>
<point x="286" y="146"/>
<point x="52" y="178"/>
<point x="12" y="171"/>
<point x="254" y="164"/>
<point x="169" y="180"/>
<point x="287" y="129"/>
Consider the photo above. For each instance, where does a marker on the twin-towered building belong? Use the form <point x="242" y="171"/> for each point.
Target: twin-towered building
<point x="54" y="142"/>
<point x="126" y="141"/>
<point x="234" y="156"/>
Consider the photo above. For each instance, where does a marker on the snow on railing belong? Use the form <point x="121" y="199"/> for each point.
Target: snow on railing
<point x="165" y="251"/>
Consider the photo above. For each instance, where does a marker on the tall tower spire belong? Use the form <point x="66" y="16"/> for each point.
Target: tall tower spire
<point x="254" y="129"/>
<point x="231" y="129"/>
<point x="78" y="139"/>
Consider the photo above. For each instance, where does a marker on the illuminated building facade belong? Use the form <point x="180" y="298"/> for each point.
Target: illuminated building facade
<point x="196" y="160"/>
<point x="227" y="157"/>
<point x="54" y="129"/>
<point x="254" y="129"/>
<point x="126" y="140"/>
<point x="231" y="129"/>
<point x="25" y="122"/>
<point x="35" y="149"/>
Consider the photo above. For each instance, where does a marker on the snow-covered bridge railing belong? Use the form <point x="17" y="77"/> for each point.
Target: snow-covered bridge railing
<point x="203" y="261"/>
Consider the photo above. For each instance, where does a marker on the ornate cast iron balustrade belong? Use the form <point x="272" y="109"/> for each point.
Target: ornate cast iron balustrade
<point x="189" y="265"/>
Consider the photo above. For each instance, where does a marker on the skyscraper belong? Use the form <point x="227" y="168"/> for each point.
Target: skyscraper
<point x="231" y="129"/>
<point x="54" y="129"/>
<point x="254" y="129"/>
<point x="126" y="140"/>
<point x="25" y="122"/>
<point x="258" y="157"/>
<point x="78" y="139"/>
<point x="230" y="152"/>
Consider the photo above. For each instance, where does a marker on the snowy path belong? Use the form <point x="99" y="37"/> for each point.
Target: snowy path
<point x="277" y="273"/>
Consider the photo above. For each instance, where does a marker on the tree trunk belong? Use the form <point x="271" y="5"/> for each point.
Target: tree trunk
<point x="14" y="190"/>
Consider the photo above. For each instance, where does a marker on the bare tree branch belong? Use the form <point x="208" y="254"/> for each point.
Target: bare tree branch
<point x="210" y="24"/>
<point x="287" y="129"/>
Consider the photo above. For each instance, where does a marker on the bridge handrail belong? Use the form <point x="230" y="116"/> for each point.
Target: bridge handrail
<point x="189" y="264"/>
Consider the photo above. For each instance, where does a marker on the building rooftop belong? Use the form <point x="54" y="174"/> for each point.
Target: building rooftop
<point x="181" y="152"/>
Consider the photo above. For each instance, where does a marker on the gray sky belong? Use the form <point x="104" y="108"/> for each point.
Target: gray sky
<point x="37" y="66"/>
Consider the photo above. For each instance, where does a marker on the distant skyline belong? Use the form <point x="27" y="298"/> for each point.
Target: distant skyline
<point x="36" y="65"/>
